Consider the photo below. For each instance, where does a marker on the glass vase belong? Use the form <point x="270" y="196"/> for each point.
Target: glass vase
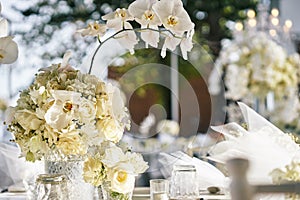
<point x="72" y="169"/>
<point x="104" y="193"/>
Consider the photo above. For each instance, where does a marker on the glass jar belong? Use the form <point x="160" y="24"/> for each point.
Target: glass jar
<point x="51" y="186"/>
<point x="184" y="182"/>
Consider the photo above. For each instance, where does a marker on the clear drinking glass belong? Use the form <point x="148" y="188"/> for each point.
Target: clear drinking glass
<point x="184" y="182"/>
<point x="159" y="189"/>
<point x="51" y="186"/>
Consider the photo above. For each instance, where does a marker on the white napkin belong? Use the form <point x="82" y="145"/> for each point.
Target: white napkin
<point x="208" y="175"/>
<point x="13" y="170"/>
<point x="266" y="146"/>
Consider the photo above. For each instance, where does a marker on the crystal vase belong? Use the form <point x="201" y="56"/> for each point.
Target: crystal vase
<point x="72" y="169"/>
<point x="104" y="193"/>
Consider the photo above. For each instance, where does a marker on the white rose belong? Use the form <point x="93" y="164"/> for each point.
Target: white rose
<point x="111" y="129"/>
<point x="121" y="181"/>
<point x="28" y="120"/>
<point x="87" y="111"/>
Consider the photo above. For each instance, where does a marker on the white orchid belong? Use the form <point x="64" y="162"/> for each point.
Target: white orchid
<point x="117" y="20"/>
<point x="170" y="43"/>
<point x="186" y="43"/>
<point x="173" y="16"/>
<point x="127" y="39"/>
<point x="3" y="28"/>
<point x="93" y="29"/>
<point x="61" y="113"/>
<point x="147" y="18"/>
<point x="8" y="48"/>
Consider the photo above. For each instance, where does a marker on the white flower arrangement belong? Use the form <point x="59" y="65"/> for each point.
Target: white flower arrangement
<point x="66" y="112"/>
<point x="157" y="18"/>
<point x="8" y="47"/>
<point x="114" y="169"/>
<point x="255" y="65"/>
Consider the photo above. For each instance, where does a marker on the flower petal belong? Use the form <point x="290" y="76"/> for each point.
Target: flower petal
<point x="151" y="37"/>
<point x="3" y="28"/>
<point x="8" y="50"/>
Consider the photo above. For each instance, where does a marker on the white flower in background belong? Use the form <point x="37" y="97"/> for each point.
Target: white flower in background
<point x="170" y="127"/>
<point x="3" y="28"/>
<point x="255" y="66"/>
<point x="147" y="18"/>
<point x="117" y="20"/>
<point x="238" y="86"/>
<point x="173" y="16"/>
<point x="8" y="48"/>
<point x="93" y="29"/>
<point x="146" y="124"/>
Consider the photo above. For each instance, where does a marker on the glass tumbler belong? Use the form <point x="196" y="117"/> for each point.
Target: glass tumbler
<point x="159" y="189"/>
<point x="51" y="186"/>
<point x="184" y="182"/>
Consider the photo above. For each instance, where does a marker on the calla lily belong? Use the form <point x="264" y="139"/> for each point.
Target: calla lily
<point x="116" y="20"/>
<point x="8" y="50"/>
<point x="94" y="29"/>
<point x="173" y="16"/>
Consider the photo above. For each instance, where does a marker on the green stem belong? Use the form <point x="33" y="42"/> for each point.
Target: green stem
<point x="123" y="30"/>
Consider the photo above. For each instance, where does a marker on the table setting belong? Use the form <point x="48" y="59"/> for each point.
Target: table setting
<point x="71" y="134"/>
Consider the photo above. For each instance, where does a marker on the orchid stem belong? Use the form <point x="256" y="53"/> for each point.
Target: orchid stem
<point x="123" y="30"/>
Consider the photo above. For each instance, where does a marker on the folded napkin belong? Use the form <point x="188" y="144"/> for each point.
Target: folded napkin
<point x="266" y="146"/>
<point x="208" y="175"/>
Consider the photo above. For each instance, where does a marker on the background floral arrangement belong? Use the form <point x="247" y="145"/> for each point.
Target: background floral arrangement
<point x="255" y="65"/>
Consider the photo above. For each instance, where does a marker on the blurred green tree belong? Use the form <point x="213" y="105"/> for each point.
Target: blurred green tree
<point x="213" y="19"/>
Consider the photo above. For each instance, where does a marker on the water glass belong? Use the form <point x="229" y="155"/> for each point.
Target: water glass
<point x="51" y="186"/>
<point x="159" y="189"/>
<point x="184" y="182"/>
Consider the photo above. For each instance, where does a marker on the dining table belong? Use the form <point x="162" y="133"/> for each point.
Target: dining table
<point x="139" y="193"/>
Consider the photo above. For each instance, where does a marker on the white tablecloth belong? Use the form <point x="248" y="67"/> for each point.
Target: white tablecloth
<point x="140" y="193"/>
